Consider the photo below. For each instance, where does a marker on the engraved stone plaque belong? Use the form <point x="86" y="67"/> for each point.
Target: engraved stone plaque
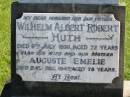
<point x="67" y="47"/>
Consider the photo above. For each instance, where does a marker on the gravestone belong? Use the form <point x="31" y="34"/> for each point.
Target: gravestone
<point x="67" y="49"/>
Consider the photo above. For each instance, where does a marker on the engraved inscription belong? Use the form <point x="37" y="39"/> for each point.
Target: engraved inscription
<point x="67" y="47"/>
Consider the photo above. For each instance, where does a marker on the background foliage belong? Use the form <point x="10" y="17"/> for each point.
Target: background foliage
<point x="4" y="41"/>
<point x="127" y="41"/>
<point x="5" y="6"/>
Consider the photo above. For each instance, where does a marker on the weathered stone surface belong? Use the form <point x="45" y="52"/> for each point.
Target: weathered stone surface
<point x="72" y="1"/>
<point x="126" y="88"/>
<point x="73" y="69"/>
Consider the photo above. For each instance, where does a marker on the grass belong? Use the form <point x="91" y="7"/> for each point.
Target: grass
<point x="5" y="42"/>
<point x="127" y="41"/>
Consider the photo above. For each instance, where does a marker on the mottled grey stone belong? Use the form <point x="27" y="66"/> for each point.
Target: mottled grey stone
<point x="72" y="1"/>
